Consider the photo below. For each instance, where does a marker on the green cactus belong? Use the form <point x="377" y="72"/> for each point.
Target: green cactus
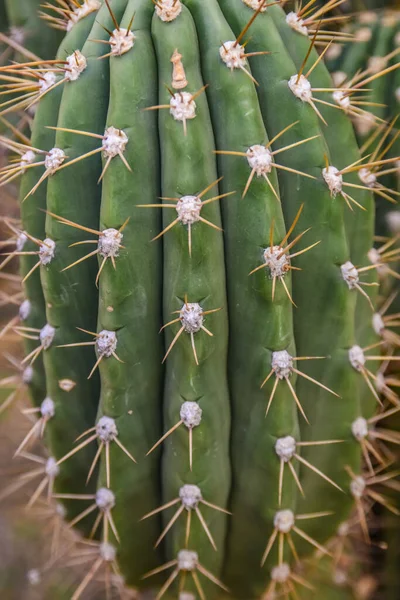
<point x="203" y="123"/>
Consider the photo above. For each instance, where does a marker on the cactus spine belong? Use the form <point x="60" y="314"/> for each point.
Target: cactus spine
<point x="202" y="123"/>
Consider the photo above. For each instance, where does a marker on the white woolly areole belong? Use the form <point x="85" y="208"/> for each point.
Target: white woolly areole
<point x="191" y="316"/>
<point x="105" y="499"/>
<point x="301" y="89"/>
<point x="350" y="274"/>
<point x="367" y="177"/>
<point x="168" y="10"/>
<point x="46" y="251"/>
<point x="367" y="17"/>
<point x="182" y="106"/>
<point x="25" y="310"/>
<point x="334" y="51"/>
<point x="34" y="577"/>
<point x="357" y="487"/>
<point x="17" y="34"/>
<point x="54" y="159"/>
<point x="187" y="560"/>
<point x="27" y="159"/>
<point x="76" y="64"/>
<point x="106" y="343"/>
<point x="364" y="123"/>
<point x="376" y="64"/>
<point x="110" y="242"/>
<point x="393" y="221"/>
<point x="282" y="364"/>
<point x="255" y="4"/>
<point x="47" y="409"/>
<point x="357" y="358"/>
<point x="397" y="94"/>
<point x="114" y="142"/>
<point x="47" y="79"/>
<point x="46" y="336"/>
<point x="85" y="9"/>
<point x="190" y="414"/>
<point x="359" y="428"/>
<point x="232" y="55"/>
<point x="277" y="261"/>
<point x="121" y="41"/>
<point x="285" y="447"/>
<point x="280" y="573"/>
<point x="52" y="469"/>
<point x="284" y="520"/>
<point x="341" y="98"/>
<point x="363" y="34"/>
<point x="338" y="78"/>
<point x="187" y="596"/>
<point x="60" y="510"/>
<point x="339" y="577"/>
<point x="190" y="496"/>
<point x="397" y="39"/>
<point x="188" y="209"/>
<point x="259" y="159"/>
<point x="375" y="258"/>
<point x="296" y="23"/>
<point x="27" y="374"/>
<point x="333" y="179"/>
<point x="107" y="552"/>
<point x="21" y="241"/>
<point x="343" y="529"/>
<point x="106" y="429"/>
<point x="378" y="323"/>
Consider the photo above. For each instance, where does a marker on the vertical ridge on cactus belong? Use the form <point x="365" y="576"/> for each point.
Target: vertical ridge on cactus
<point x="195" y="227"/>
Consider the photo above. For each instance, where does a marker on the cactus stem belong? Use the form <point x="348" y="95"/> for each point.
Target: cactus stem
<point x="191" y="316"/>
<point x="284" y="523"/>
<point x="187" y="561"/>
<point x="106" y="432"/>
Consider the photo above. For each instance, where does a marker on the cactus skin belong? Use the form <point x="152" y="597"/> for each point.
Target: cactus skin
<point x="234" y="460"/>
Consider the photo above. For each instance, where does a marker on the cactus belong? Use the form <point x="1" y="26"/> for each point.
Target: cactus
<point x="198" y="290"/>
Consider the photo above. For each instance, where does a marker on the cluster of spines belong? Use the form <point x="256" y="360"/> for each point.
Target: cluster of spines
<point x="191" y="314"/>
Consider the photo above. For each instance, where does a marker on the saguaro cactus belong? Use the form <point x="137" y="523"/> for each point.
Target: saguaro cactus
<point x="205" y="360"/>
